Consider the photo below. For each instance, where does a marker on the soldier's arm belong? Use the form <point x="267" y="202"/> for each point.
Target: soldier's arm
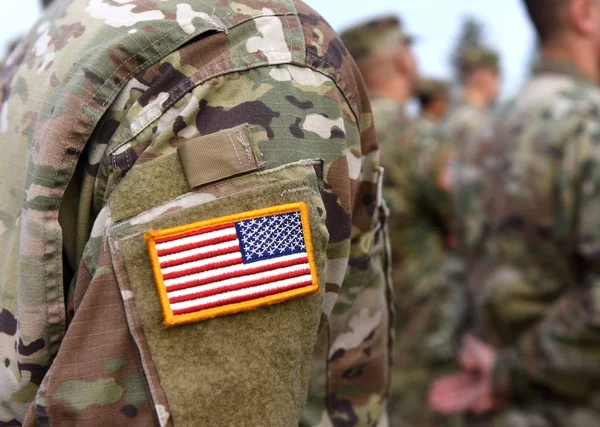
<point x="295" y="135"/>
<point x="561" y="352"/>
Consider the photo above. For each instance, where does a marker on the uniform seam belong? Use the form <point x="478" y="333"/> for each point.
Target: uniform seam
<point x="189" y="84"/>
<point x="339" y="81"/>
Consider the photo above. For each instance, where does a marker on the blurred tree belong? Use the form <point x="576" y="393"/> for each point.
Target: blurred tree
<point x="472" y="34"/>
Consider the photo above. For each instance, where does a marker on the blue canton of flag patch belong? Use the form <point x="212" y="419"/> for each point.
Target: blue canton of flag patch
<point x="270" y="237"/>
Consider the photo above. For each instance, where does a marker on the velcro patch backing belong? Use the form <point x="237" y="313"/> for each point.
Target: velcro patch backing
<point x="233" y="263"/>
<point x="218" y="156"/>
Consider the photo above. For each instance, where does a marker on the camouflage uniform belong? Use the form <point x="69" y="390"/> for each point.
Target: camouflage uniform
<point x="430" y="89"/>
<point x="94" y="105"/>
<point x="466" y="119"/>
<point x="463" y="122"/>
<point x="427" y="131"/>
<point x="416" y="189"/>
<point x="529" y="201"/>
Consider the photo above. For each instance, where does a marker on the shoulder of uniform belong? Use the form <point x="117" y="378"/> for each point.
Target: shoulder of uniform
<point x="327" y="54"/>
<point x="557" y="98"/>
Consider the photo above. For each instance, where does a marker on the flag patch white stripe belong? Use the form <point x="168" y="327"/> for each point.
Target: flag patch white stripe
<point x="198" y="251"/>
<point x="240" y="293"/>
<point x="220" y="271"/>
<point x="224" y="284"/>
<point x="196" y="239"/>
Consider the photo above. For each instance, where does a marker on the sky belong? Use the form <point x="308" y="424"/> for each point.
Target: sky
<point x="435" y="22"/>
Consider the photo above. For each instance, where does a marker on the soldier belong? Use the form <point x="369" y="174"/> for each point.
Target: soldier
<point x="434" y="99"/>
<point x="417" y="191"/>
<point x="529" y="203"/>
<point x="480" y="80"/>
<point x="190" y="232"/>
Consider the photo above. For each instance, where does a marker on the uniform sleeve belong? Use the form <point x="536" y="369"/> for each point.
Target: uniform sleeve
<point x="297" y="160"/>
<point x="561" y="352"/>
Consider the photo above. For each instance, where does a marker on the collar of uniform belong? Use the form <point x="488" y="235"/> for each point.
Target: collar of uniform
<point x="559" y="67"/>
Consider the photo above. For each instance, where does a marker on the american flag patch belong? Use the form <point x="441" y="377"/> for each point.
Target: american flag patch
<point x="233" y="263"/>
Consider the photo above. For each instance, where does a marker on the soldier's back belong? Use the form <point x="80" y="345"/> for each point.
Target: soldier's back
<point x="530" y="235"/>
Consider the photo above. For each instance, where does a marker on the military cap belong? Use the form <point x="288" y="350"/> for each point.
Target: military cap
<point x="479" y="57"/>
<point x="363" y="39"/>
<point x="430" y="88"/>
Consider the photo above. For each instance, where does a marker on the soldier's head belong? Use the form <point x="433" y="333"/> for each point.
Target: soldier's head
<point x="434" y="99"/>
<point x="569" y="26"/>
<point x="553" y="19"/>
<point x="383" y="52"/>
<point x="480" y="73"/>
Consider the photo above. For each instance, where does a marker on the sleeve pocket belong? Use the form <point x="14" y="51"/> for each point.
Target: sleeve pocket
<point x="223" y="297"/>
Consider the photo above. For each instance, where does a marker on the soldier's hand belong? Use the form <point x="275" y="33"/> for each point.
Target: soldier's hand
<point x="455" y="394"/>
<point x="477" y="357"/>
<point x="470" y="390"/>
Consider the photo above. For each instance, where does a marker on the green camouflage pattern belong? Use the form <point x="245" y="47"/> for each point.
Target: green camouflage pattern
<point x="101" y="87"/>
<point x="417" y="188"/>
<point x="528" y="203"/>
<point x="462" y="123"/>
<point x="429" y="132"/>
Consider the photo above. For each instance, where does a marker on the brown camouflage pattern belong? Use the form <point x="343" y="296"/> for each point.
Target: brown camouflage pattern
<point x="100" y="87"/>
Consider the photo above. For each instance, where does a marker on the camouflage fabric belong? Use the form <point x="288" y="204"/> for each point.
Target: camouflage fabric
<point x="417" y="188"/>
<point x="101" y="94"/>
<point x="528" y="202"/>
<point x="429" y="132"/>
<point x="374" y="36"/>
<point x="462" y="123"/>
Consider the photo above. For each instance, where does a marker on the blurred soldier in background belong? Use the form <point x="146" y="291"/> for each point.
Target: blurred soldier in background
<point x="383" y="52"/>
<point x="529" y="203"/>
<point x="480" y="80"/>
<point x="434" y="101"/>
<point x="416" y="189"/>
<point x="215" y="149"/>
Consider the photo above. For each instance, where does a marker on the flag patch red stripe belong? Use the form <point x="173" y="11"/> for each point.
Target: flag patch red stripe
<point x="200" y="257"/>
<point x="241" y="298"/>
<point x="190" y="246"/>
<point x="193" y="233"/>
<point x="241" y="285"/>
<point x="218" y="278"/>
